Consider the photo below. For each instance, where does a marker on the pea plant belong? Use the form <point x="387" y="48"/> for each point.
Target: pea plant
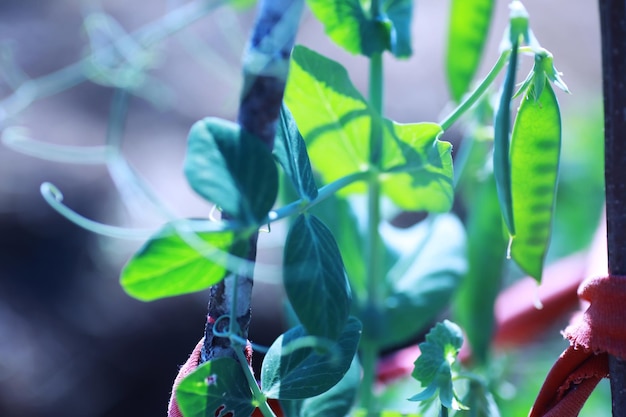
<point x="311" y="150"/>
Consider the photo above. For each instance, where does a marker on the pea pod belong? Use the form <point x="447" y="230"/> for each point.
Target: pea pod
<point x="535" y="153"/>
<point x="501" y="145"/>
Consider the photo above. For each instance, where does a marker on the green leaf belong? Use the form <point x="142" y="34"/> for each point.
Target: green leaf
<point x="346" y="23"/>
<point x="502" y="142"/>
<point x="315" y="279"/>
<point x="215" y="388"/>
<point x="290" y="151"/>
<point x="417" y="167"/>
<point x="400" y="14"/>
<point x="469" y="27"/>
<point x="170" y="264"/>
<point x="292" y="374"/>
<point x="232" y="169"/>
<point x="351" y="27"/>
<point x="336" y="212"/>
<point x="336" y="402"/>
<point x="479" y="401"/>
<point x="337" y="132"/>
<point x="432" y="367"/>
<point x="535" y="154"/>
<point x="424" y="279"/>
<point x="486" y="252"/>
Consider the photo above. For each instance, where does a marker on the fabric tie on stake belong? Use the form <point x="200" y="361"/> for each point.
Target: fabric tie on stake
<point x="599" y="332"/>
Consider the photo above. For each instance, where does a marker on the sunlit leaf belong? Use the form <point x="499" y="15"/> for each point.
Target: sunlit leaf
<point x="172" y="264"/>
<point x="417" y="167"/>
<point x="215" y="388"/>
<point x="337" y="132"/>
<point x="432" y="367"/>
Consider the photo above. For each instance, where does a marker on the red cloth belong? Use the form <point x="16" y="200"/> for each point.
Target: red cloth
<point x="600" y="331"/>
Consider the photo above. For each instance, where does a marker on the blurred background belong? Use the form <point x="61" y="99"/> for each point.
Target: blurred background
<point x="72" y="343"/>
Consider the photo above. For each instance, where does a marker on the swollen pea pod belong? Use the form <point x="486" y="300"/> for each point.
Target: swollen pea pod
<point x="535" y="153"/>
<point x="501" y="145"/>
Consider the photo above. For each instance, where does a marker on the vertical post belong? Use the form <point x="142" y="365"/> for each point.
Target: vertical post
<point x="613" y="32"/>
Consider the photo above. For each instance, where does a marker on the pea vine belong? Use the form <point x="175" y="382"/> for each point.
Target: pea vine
<point x="355" y="290"/>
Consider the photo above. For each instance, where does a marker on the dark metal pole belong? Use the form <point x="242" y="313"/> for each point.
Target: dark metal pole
<point x="613" y="32"/>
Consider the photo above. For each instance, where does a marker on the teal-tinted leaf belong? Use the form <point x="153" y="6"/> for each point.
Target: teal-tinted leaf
<point x="337" y="132"/>
<point x="232" y="169"/>
<point x="315" y="279"/>
<point x="469" y="27"/>
<point x="289" y="374"/>
<point x="479" y="401"/>
<point x="423" y="281"/>
<point x="351" y="27"/>
<point x="290" y="151"/>
<point x="336" y="402"/>
<point x="535" y="153"/>
<point x="486" y="252"/>
<point x="336" y="212"/>
<point x="432" y="367"/>
<point x="400" y="14"/>
<point x="168" y="265"/>
<point x="346" y="23"/>
<point x="216" y="388"/>
<point x="502" y="143"/>
<point x="417" y="167"/>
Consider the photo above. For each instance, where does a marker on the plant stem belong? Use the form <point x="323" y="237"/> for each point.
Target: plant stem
<point x="470" y="100"/>
<point x="369" y="342"/>
<point x="613" y="34"/>
<point x="256" y="391"/>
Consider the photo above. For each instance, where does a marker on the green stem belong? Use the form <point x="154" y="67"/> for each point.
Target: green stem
<point x="477" y="93"/>
<point x="444" y="411"/>
<point x="256" y="391"/>
<point x="369" y="343"/>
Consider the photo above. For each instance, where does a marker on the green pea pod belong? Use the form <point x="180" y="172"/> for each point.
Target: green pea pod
<point x="501" y="145"/>
<point x="535" y="153"/>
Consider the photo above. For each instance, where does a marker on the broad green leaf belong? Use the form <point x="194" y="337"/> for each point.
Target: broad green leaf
<point x="231" y="168"/>
<point x="215" y="388"/>
<point x="336" y="402"/>
<point x="424" y="279"/>
<point x="486" y="252"/>
<point x="315" y="279"/>
<point x="337" y="131"/>
<point x="535" y="153"/>
<point x="346" y="23"/>
<point x="502" y="142"/>
<point x="170" y="264"/>
<point x="292" y="374"/>
<point x="469" y="27"/>
<point x="290" y="151"/>
<point x="433" y="366"/>
<point x="417" y="167"/>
